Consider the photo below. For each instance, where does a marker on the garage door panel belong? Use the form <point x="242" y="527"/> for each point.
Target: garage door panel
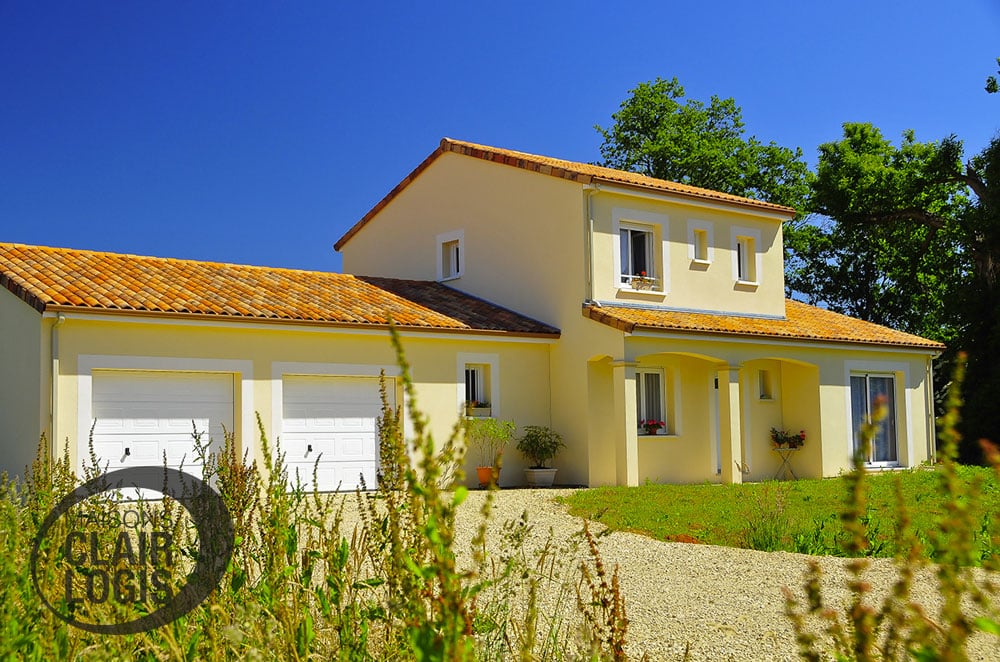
<point x="342" y="476"/>
<point x="155" y="414"/>
<point x="337" y="418"/>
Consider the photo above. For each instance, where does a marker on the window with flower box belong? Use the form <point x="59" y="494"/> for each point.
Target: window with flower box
<point x="652" y="393"/>
<point x="640" y="258"/>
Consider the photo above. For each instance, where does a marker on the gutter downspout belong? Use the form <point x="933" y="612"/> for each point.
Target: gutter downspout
<point x="54" y="395"/>
<point x="931" y="414"/>
<point x="588" y="223"/>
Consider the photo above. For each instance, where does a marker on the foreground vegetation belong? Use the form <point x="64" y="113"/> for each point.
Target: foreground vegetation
<point x="304" y="583"/>
<point x="800" y="516"/>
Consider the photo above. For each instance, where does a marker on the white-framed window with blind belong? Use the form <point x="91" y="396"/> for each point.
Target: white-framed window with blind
<point x="866" y="390"/>
<point x="640" y="260"/>
<point x="655" y="406"/>
<point x="478" y="377"/>
<point x="477" y="383"/>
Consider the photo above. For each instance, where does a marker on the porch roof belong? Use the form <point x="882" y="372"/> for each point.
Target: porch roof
<point x="801" y="322"/>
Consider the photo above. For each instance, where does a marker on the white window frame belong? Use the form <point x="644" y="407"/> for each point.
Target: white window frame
<point x="443" y="242"/>
<point x="657" y="226"/>
<point x="491" y="363"/>
<point x="747" y="240"/>
<point x="668" y="400"/>
<point x="765" y="385"/>
<point x="701" y="230"/>
<point x="892" y="420"/>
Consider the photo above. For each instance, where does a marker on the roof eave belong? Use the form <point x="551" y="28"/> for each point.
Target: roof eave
<point x="291" y="321"/>
<point x="614" y="322"/>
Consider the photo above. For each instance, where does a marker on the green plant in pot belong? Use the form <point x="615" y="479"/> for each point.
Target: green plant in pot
<point x="487" y="438"/>
<point x="538" y="445"/>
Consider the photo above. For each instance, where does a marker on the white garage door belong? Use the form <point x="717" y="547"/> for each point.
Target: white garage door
<point x="143" y="416"/>
<point x="329" y="425"/>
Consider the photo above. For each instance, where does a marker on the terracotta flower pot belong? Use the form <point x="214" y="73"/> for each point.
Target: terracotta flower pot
<point x="487" y="475"/>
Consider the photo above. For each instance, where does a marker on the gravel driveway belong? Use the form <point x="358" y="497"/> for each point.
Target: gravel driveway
<point x="720" y="603"/>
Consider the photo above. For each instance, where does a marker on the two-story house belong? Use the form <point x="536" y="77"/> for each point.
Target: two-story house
<point x="671" y="307"/>
<point x="591" y="300"/>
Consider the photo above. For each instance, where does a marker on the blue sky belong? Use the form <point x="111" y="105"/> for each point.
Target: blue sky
<point x="259" y="132"/>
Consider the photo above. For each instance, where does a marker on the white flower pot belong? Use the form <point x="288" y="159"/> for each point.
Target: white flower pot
<point x="539" y="477"/>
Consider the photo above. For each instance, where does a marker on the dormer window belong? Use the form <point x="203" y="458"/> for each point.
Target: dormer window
<point x="450" y="255"/>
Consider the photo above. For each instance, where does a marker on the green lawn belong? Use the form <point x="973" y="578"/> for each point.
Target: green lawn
<point x="798" y="516"/>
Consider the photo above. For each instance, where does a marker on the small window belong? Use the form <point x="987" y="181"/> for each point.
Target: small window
<point x="637" y="265"/>
<point x="450" y="257"/>
<point x="764" y="385"/>
<point x="701" y="245"/>
<point x="746" y="260"/>
<point x="477" y="390"/>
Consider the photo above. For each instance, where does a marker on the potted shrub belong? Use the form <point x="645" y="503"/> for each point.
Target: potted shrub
<point x="487" y="438"/>
<point x="539" y="445"/>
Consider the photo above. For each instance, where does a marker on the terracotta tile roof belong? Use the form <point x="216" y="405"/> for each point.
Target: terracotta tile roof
<point x="61" y="278"/>
<point x="801" y="322"/>
<point x="583" y="173"/>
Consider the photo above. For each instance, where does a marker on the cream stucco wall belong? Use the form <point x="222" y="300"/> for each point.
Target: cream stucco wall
<point x="688" y="283"/>
<point x="24" y="397"/>
<point x="258" y="354"/>
<point x="526" y="241"/>
<point x="811" y="392"/>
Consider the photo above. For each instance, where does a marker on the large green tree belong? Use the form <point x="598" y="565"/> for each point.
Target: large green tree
<point x="659" y="133"/>
<point x="916" y="230"/>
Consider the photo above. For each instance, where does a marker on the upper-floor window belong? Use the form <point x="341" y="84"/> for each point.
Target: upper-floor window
<point x="746" y="259"/>
<point x="641" y="258"/>
<point x="700" y="242"/>
<point x="637" y="257"/>
<point x="450" y="255"/>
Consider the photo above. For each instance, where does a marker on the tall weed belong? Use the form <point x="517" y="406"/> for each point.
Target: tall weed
<point x="327" y="576"/>
<point x="899" y="627"/>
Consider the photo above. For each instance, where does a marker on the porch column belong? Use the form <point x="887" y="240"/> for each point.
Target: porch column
<point x="627" y="439"/>
<point x="730" y="428"/>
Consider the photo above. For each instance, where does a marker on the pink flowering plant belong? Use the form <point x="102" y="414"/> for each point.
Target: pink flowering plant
<point x="783" y="439"/>
<point x="651" y="426"/>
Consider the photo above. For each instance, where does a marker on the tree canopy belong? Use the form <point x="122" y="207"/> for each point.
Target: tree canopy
<point x="659" y="133"/>
<point x="916" y="235"/>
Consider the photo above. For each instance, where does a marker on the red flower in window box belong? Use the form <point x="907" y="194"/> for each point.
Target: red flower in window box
<point x="651" y="426"/>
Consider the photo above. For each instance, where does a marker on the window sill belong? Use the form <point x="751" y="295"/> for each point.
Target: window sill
<point x="630" y="291"/>
<point x="700" y="264"/>
<point x="748" y="285"/>
<point x="445" y="279"/>
<point x="671" y="435"/>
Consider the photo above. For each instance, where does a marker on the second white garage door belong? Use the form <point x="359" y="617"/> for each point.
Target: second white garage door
<point x="329" y="424"/>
